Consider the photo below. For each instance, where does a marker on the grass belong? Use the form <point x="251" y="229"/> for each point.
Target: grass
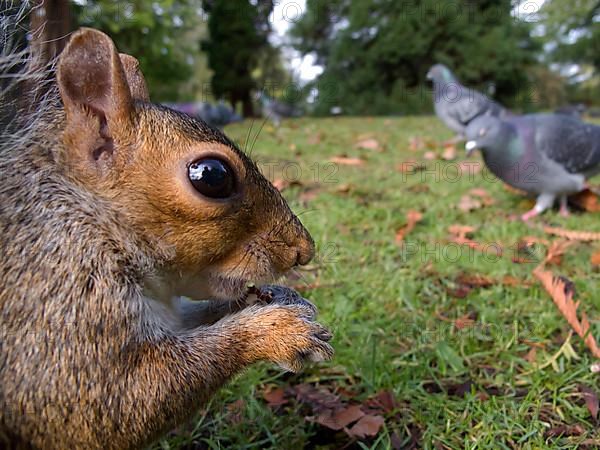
<point x="393" y="309"/>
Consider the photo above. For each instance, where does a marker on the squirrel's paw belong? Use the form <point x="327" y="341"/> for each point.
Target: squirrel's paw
<point x="293" y="337"/>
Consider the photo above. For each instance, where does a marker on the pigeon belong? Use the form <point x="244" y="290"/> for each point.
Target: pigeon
<point x="456" y="105"/>
<point x="276" y="110"/>
<point x="548" y="155"/>
<point x="571" y="110"/>
<point x="217" y="116"/>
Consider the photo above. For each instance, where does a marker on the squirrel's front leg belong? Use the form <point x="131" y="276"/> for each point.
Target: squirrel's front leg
<point x="181" y="372"/>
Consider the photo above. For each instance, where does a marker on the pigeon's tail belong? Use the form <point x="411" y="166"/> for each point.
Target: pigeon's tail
<point x="28" y="94"/>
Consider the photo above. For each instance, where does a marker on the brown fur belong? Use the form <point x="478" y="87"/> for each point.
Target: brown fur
<point x="100" y="230"/>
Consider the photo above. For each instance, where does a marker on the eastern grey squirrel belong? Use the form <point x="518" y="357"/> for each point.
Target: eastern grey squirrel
<point x="111" y="208"/>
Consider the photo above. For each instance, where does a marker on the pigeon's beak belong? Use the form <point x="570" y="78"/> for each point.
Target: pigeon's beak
<point x="470" y="146"/>
<point x="429" y="76"/>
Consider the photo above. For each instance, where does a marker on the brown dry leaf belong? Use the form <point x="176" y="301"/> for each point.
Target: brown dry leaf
<point x="484" y="195"/>
<point x="429" y="155"/>
<point x="416" y="143"/>
<point x="574" y="235"/>
<point x="468" y="203"/>
<point x="449" y="153"/>
<point x="275" y="397"/>
<point x="346" y="161"/>
<point x="367" y="426"/>
<point x="383" y="401"/>
<point x="236" y="411"/>
<point x="410" y="166"/>
<point x="318" y="399"/>
<point x="369" y="144"/>
<point x="564" y="430"/>
<point x="280" y="184"/>
<point x="336" y="420"/>
<point x="595" y="259"/>
<point x="586" y="200"/>
<point x="344" y="188"/>
<point x="475" y="280"/>
<point x="412" y="219"/>
<point x="315" y="138"/>
<point x="293" y="147"/>
<point x="509" y="280"/>
<point x="591" y="400"/>
<point x="513" y="190"/>
<point x="463" y="322"/>
<point x="561" y="291"/>
<point x="531" y="355"/>
<point x="461" y="230"/>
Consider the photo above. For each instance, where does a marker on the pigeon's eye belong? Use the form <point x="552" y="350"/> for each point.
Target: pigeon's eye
<point x="212" y="178"/>
<point x="482" y="132"/>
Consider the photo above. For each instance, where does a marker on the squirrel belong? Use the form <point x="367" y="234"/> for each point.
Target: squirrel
<point x="113" y="210"/>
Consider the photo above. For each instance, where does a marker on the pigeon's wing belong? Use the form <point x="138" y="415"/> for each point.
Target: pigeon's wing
<point x="573" y="144"/>
<point x="471" y="104"/>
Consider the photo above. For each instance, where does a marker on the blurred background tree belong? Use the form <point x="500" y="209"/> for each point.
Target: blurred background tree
<point x="378" y="53"/>
<point x="152" y="31"/>
<point x="572" y="37"/>
<point x="374" y="54"/>
<point x="236" y="42"/>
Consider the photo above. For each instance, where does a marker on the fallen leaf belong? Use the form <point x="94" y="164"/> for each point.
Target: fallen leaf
<point x="595" y="259"/>
<point x="235" y="411"/>
<point x="572" y="234"/>
<point x="562" y="292"/>
<point x="412" y="218"/>
<point x="410" y="166"/>
<point x="465" y="321"/>
<point x="468" y="203"/>
<point x="318" y="399"/>
<point x="368" y="144"/>
<point x="429" y="155"/>
<point x="384" y="401"/>
<point x="449" y="153"/>
<point x="509" y="280"/>
<point x="564" y="430"/>
<point x="367" y="426"/>
<point x="586" y="200"/>
<point x="475" y="280"/>
<point x="337" y="420"/>
<point x="315" y="138"/>
<point x="346" y="161"/>
<point x="280" y="184"/>
<point x="275" y="397"/>
<point x="416" y="143"/>
<point x="484" y="195"/>
<point x="591" y="400"/>
<point x="461" y="230"/>
<point x="531" y="355"/>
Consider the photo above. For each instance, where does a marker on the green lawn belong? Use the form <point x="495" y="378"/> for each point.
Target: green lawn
<point x="400" y="351"/>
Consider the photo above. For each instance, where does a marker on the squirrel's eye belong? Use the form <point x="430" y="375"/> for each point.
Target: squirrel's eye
<point x="212" y="178"/>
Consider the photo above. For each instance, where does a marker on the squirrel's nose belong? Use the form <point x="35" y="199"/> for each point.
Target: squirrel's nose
<point x="305" y="247"/>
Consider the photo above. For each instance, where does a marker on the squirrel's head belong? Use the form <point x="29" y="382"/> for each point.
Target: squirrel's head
<point x="177" y="181"/>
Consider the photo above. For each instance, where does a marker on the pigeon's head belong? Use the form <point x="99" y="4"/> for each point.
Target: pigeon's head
<point x="485" y="133"/>
<point x="439" y="73"/>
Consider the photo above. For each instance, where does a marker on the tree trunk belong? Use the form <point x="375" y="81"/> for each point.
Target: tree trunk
<point x="50" y="22"/>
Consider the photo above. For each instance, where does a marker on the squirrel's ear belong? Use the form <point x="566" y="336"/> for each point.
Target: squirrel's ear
<point x="95" y="94"/>
<point x="135" y="78"/>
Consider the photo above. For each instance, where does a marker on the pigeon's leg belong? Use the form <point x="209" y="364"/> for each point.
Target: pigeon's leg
<point x="564" y="209"/>
<point x="544" y="201"/>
